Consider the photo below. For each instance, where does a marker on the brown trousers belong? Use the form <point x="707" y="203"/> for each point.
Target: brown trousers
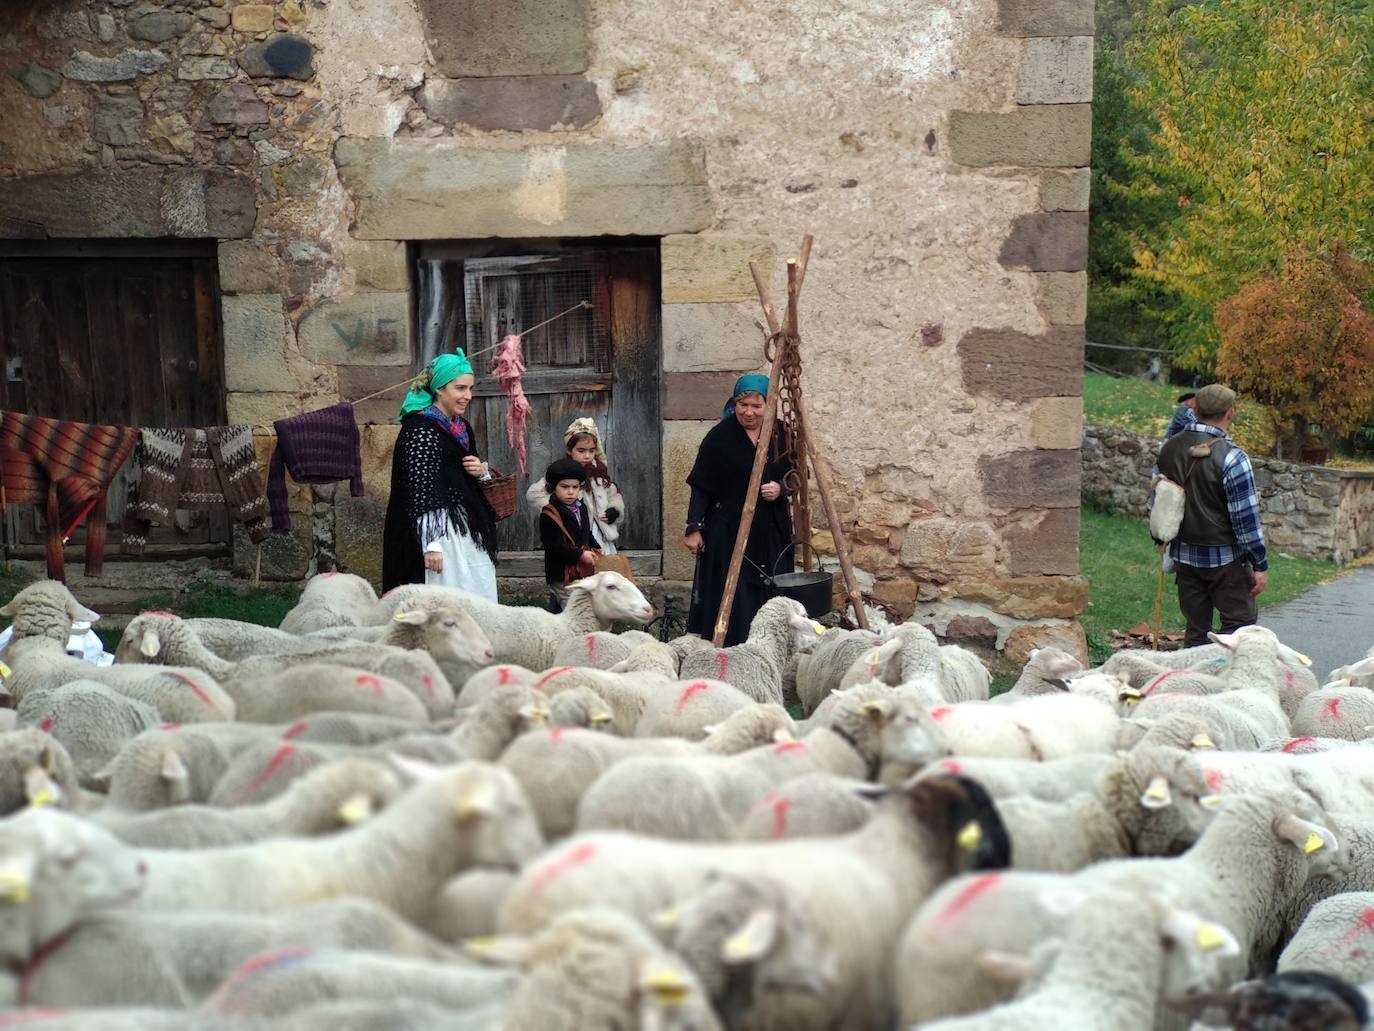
<point x="1225" y="589"/>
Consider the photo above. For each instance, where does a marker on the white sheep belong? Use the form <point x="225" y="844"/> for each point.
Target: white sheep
<point x="468" y="905"/>
<point x="89" y="719"/>
<point x="557" y="767"/>
<point x="1342" y="711"/>
<point x="858" y="890"/>
<point x="35" y="770"/>
<point x="1046" y="670"/>
<point x="712" y="793"/>
<point x="1121" y="953"/>
<point x="478" y="686"/>
<point x="821" y="670"/>
<point x="594" y="967"/>
<point x="1249" y="863"/>
<point x="1357" y="674"/>
<point x="233" y="639"/>
<point x="626" y="688"/>
<point x="1062" y="835"/>
<point x="689" y="708"/>
<point x="529" y="636"/>
<point x="405" y="654"/>
<point x="328" y="600"/>
<point x="1040" y="727"/>
<point x="180" y="958"/>
<point x="910" y="657"/>
<point x="599" y="649"/>
<point x="472" y="814"/>
<point x="1335" y="937"/>
<point x="172" y="764"/>
<point x="339" y="794"/>
<point x="756" y="666"/>
<point x="754" y="948"/>
<point x="817" y="804"/>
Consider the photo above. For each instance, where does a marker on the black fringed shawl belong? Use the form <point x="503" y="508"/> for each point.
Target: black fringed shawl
<point x="427" y="483"/>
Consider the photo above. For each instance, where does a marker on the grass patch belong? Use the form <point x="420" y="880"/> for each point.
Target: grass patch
<point x="265" y="606"/>
<point x="1117" y="556"/>
<point x="1144" y="407"/>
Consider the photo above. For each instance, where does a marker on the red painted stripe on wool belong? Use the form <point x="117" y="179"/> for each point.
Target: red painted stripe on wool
<point x="591" y="647"/>
<point x="1333" y="708"/>
<point x="169" y="726"/>
<point x="295" y="730"/>
<point x="1213" y="778"/>
<point x="780" y="808"/>
<point x="428" y="681"/>
<point x="250" y="967"/>
<point x="790" y="746"/>
<point x="160" y="612"/>
<point x="971" y="891"/>
<point x="1288" y="677"/>
<point x="951" y="766"/>
<point x="550" y="675"/>
<point x="1296" y="743"/>
<point x="578" y="855"/>
<point x="40" y="956"/>
<point x="941" y="711"/>
<point x="47" y="725"/>
<point x="722" y="664"/>
<point x="556" y="734"/>
<point x="502" y="676"/>
<point x="30" y="1016"/>
<point x="1364" y="924"/>
<point x="197" y="689"/>
<point x="1160" y="679"/>
<point x="266" y="773"/>
<point x="327" y="575"/>
<point x="368" y="680"/>
<point x="688" y="693"/>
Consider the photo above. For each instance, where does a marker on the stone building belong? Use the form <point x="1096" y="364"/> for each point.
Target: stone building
<point x="277" y="205"/>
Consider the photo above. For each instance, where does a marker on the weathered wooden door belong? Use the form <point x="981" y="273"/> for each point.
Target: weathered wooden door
<point x="602" y="362"/>
<point x="130" y="340"/>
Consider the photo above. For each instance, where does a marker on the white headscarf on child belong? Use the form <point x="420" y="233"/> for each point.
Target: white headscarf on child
<point x="585" y="426"/>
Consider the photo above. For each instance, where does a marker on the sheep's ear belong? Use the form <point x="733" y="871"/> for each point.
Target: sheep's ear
<point x="623" y="666"/>
<point x="666" y="919"/>
<point x="39" y="788"/>
<point x="878" y="709"/>
<point x="1359" y="669"/>
<point x="103" y="777"/>
<point x="803" y="624"/>
<point x="355" y="809"/>
<point x="1190" y="932"/>
<point x="1157" y="794"/>
<point x="1058" y="683"/>
<point x="80" y="614"/>
<point x="753" y="939"/>
<point x="16" y="876"/>
<point x="416" y="771"/>
<point x="478" y="800"/>
<point x="151" y="644"/>
<point x="533" y="715"/>
<point x="782" y="736"/>
<point x="666" y="985"/>
<point x="1201" y="742"/>
<point x="1227" y="641"/>
<point x="174" y="767"/>
<point x="872" y="792"/>
<point x="1002" y="966"/>
<point x="10" y="608"/>
<point x="1304" y="834"/>
<point x="413" y="617"/>
<point x="507" y="950"/>
<point x="1293" y="655"/>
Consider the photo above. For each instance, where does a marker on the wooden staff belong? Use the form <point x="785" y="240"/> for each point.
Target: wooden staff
<point x="818" y="462"/>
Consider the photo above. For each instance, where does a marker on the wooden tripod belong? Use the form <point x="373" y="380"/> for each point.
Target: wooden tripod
<point x="788" y="341"/>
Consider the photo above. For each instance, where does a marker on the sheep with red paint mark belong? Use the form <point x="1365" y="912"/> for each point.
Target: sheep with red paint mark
<point x="813" y="805"/>
<point x="626" y="688"/>
<point x="1341" y="711"/>
<point x="557" y="767"/>
<point x="92" y="721"/>
<point x="600" y="649"/>
<point x="757" y="665"/>
<point x="711" y="794"/>
<point x="171" y="766"/>
<point x="1336" y="937"/>
<point x="528" y="636"/>
<point x="689" y="708"/>
<point x="35" y="770"/>
<point x="493" y="678"/>
<point x="857" y="890"/>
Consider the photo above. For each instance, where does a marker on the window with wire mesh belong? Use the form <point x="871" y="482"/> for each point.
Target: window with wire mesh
<point x="511" y="295"/>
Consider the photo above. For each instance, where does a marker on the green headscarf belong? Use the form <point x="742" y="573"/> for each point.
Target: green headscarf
<point x="752" y="383"/>
<point x="441" y="369"/>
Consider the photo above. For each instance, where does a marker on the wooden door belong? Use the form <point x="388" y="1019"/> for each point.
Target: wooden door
<point x="129" y="340"/>
<point x="601" y="362"/>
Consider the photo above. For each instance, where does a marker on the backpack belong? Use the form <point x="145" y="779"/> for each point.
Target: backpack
<point x="1166" y="515"/>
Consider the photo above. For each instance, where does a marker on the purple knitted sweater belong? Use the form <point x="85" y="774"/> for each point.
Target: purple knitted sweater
<point x="317" y="447"/>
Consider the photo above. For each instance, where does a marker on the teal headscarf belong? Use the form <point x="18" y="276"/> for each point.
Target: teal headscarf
<point x="754" y="383"/>
<point x="443" y="368"/>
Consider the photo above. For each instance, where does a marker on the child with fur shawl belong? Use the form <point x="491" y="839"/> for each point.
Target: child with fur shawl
<point x="582" y="443"/>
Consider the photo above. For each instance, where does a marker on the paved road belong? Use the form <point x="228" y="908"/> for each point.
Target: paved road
<point x="1333" y="622"/>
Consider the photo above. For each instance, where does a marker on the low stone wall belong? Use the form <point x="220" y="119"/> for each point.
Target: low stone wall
<point x="1306" y="510"/>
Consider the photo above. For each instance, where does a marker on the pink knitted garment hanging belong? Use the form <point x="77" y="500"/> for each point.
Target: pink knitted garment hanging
<point x="508" y="366"/>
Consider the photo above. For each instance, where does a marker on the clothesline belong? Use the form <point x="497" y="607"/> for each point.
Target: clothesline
<point x="486" y="350"/>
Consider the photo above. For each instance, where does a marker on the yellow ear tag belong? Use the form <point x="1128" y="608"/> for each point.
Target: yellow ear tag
<point x="1303" y="659"/>
<point x="737" y="947"/>
<point x="468" y="808"/>
<point x="666" y="984"/>
<point x="971" y="836"/>
<point x="1210" y="801"/>
<point x="666" y="919"/>
<point x="355" y="810"/>
<point x="478" y="945"/>
<point x="5" y="671"/>
<point x="600" y="718"/>
<point x="44" y="796"/>
<point x="1203" y="741"/>
<point x="1314" y="843"/>
<point x="13" y="887"/>
<point x="1209" y="938"/>
<point x="817" y="627"/>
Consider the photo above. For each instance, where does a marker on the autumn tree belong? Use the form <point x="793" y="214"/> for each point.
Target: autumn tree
<point x="1302" y="342"/>
<point x="1262" y="137"/>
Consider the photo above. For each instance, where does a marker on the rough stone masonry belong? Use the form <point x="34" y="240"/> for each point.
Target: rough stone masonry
<point x="936" y="149"/>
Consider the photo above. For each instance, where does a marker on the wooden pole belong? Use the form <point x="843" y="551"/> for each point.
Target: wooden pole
<point x="818" y="463"/>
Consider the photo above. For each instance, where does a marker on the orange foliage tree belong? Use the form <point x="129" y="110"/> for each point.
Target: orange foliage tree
<point x="1302" y="342"/>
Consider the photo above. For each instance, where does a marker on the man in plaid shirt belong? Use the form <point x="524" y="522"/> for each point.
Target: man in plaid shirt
<point x="1219" y="558"/>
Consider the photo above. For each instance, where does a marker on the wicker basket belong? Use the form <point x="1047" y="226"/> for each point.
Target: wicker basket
<point x="500" y="494"/>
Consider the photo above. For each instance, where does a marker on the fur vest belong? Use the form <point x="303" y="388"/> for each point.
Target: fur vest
<point x="599" y="495"/>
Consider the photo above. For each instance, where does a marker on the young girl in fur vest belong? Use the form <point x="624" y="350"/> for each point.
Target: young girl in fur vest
<point x="582" y="443"/>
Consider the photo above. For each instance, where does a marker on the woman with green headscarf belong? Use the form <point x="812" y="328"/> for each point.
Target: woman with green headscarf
<point x="439" y="528"/>
<point x="720" y="482"/>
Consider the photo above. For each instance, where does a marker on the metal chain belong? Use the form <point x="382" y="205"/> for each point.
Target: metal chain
<point x="789" y="403"/>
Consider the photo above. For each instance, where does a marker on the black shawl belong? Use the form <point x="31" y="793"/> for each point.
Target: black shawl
<point x="427" y="479"/>
<point x="721" y="473"/>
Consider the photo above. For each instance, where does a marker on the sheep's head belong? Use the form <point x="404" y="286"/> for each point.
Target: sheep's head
<point x="1261" y="638"/>
<point x="746" y="937"/>
<point x="580" y="707"/>
<point x="614" y="599"/>
<point x="147" y="636"/>
<point x="498" y="825"/>
<point x="1160" y="797"/>
<point x="46" y="609"/>
<point x="749" y="727"/>
<point x="960" y="820"/>
<point x="1292" y="999"/>
<point x="445" y="630"/>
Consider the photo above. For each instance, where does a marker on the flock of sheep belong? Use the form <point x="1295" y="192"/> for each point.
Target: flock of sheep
<point x="431" y="811"/>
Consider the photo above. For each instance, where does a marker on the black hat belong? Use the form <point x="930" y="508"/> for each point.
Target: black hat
<point x="563" y="469"/>
<point x="1185" y="397"/>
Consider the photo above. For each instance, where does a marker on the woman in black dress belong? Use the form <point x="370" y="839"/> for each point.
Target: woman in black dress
<point x="720" y="480"/>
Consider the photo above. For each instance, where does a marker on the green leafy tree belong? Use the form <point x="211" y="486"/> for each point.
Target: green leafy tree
<point x="1301" y="341"/>
<point x="1262" y="136"/>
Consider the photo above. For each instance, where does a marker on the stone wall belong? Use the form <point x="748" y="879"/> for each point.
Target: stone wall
<point x="1306" y="510"/>
<point x="937" y="151"/>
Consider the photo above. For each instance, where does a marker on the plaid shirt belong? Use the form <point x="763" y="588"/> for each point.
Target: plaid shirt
<point x="1242" y="503"/>
<point x="1183" y="418"/>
